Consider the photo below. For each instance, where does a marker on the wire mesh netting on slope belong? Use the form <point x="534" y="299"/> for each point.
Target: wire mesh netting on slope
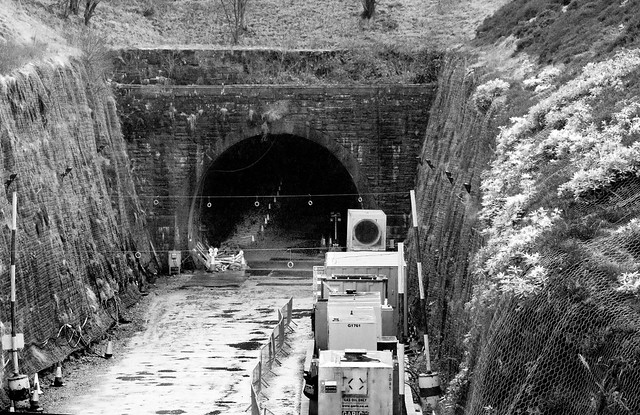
<point x="573" y="348"/>
<point x="79" y="223"/>
<point x="556" y="306"/>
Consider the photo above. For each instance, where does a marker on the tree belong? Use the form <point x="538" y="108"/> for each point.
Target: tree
<point x="234" y="11"/>
<point x="89" y="10"/>
<point x="69" y="6"/>
<point x="74" y="6"/>
<point x="369" y="9"/>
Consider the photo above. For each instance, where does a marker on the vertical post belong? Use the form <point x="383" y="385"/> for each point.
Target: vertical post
<point x="14" y="343"/>
<point x="427" y="355"/>
<point x="402" y="290"/>
<point x="401" y="374"/>
<point x="414" y="216"/>
<point x="423" y="288"/>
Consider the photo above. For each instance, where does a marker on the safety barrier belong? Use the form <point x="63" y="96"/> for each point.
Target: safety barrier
<point x="269" y="355"/>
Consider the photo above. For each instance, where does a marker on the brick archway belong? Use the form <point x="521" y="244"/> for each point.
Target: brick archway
<point x="282" y="127"/>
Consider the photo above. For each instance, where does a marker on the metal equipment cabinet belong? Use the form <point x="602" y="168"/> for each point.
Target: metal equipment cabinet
<point x="175" y="261"/>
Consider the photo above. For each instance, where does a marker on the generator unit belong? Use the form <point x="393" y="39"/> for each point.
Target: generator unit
<point x="351" y="321"/>
<point x="355" y="364"/>
<point x="355" y="382"/>
<point x="366" y="230"/>
<point x="354" y="322"/>
<point x="388" y="264"/>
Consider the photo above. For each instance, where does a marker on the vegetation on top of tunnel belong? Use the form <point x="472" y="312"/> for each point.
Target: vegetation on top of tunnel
<point x="377" y="63"/>
<point x="565" y="31"/>
<point x="380" y="63"/>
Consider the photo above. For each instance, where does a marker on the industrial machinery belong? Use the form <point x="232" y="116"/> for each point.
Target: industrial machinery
<point x="366" y="230"/>
<point x="355" y="365"/>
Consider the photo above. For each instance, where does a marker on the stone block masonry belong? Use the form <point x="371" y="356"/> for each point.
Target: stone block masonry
<point x="174" y="133"/>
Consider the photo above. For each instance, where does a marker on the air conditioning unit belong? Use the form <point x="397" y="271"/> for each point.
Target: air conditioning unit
<point x="366" y="230"/>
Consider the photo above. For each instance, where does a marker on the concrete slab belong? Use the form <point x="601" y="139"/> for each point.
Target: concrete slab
<point x="217" y="279"/>
<point x="198" y="350"/>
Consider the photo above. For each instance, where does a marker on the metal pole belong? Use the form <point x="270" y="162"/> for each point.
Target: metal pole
<point x="14" y="343"/>
<point x="414" y="216"/>
<point x="423" y="286"/>
<point x="402" y="289"/>
<point x="426" y="353"/>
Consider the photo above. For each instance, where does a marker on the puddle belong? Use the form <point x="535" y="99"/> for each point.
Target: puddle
<point x="269" y="323"/>
<point x="250" y="345"/>
<point x="170" y="411"/>
<point x="228" y="369"/>
<point x="130" y="377"/>
<point x="166" y="371"/>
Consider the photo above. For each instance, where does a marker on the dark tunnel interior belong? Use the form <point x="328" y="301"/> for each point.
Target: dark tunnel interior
<point x="309" y="184"/>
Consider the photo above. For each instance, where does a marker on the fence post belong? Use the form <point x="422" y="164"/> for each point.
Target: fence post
<point x="281" y="333"/>
<point x="260" y="374"/>
<point x="272" y="347"/>
<point x="255" y="406"/>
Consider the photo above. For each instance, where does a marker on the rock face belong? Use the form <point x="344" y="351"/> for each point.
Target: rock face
<point x="82" y="248"/>
<point x="456" y="149"/>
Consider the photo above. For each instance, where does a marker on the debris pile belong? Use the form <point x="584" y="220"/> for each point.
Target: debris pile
<point x="216" y="263"/>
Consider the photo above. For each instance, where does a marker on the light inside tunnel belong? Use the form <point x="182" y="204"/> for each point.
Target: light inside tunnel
<point x="302" y="182"/>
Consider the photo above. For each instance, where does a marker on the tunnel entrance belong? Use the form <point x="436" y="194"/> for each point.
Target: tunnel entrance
<point x="298" y="183"/>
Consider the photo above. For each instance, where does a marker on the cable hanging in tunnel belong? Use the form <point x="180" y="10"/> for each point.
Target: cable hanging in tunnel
<point x="307" y="196"/>
<point x="248" y="166"/>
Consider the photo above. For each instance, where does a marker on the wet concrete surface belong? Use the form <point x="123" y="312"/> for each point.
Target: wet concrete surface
<point x="199" y="345"/>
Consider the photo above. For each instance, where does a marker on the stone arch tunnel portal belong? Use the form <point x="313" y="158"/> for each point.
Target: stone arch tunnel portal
<point x="299" y="183"/>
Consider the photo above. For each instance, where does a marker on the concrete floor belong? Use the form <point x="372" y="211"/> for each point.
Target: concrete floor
<point x="198" y="350"/>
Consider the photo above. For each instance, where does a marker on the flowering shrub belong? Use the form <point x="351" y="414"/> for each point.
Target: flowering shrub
<point x="629" y="283"/>
<point x="508" y="258"/>
<point x="487" y="93"/>
<point x="560" y="130"/>
<point x="544" y="80"/>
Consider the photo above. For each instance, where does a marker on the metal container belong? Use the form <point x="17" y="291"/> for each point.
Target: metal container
<point x="355" y="382"/>
<point x="175" y="262"/>
<point x="18" y="387"/>
<point x="358" y="283"/>
<point x="368" y="263"/>
<point x="354" y="321"/>
<point x="429" y="384"/>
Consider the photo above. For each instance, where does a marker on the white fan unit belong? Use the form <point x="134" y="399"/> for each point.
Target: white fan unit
<point x="366" y="230"/>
